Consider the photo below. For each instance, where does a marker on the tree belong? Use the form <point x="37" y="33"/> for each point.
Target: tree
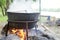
<point x="4" y="6"/>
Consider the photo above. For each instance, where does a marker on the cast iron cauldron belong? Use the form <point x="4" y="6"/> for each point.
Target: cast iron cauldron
<point x="14" y="16"/>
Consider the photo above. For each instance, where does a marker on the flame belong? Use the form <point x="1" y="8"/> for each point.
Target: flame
<point x="14" y="31"/>
<point x="20" y="33"/>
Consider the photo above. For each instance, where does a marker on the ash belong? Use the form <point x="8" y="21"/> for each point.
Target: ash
<point x="11" y="37"/>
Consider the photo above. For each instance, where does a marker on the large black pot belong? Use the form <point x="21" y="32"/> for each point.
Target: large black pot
<point x="12" y="16"/>
<point x="22" y="16"/>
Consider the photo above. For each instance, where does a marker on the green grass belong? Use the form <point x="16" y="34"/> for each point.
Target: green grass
<point x="3" y="18"/>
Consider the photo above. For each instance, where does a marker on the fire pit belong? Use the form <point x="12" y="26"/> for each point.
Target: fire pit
<point x="14" y="29"/>
<point x="22" y="34"/>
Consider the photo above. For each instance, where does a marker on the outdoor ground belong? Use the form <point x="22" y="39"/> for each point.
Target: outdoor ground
<point x="56" y="31"/>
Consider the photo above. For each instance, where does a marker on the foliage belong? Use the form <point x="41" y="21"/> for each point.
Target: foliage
<point x="4" y="5"/>
<point x="2" y="2"/>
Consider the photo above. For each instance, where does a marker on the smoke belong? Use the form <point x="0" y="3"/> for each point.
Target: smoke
<point x="24" y="6"/>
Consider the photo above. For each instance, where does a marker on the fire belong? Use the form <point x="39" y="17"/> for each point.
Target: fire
<point x="20" y="33"/>
<point x="14" y="30"/>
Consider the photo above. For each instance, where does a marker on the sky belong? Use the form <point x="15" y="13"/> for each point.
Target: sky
<point x="47" y="4"/>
